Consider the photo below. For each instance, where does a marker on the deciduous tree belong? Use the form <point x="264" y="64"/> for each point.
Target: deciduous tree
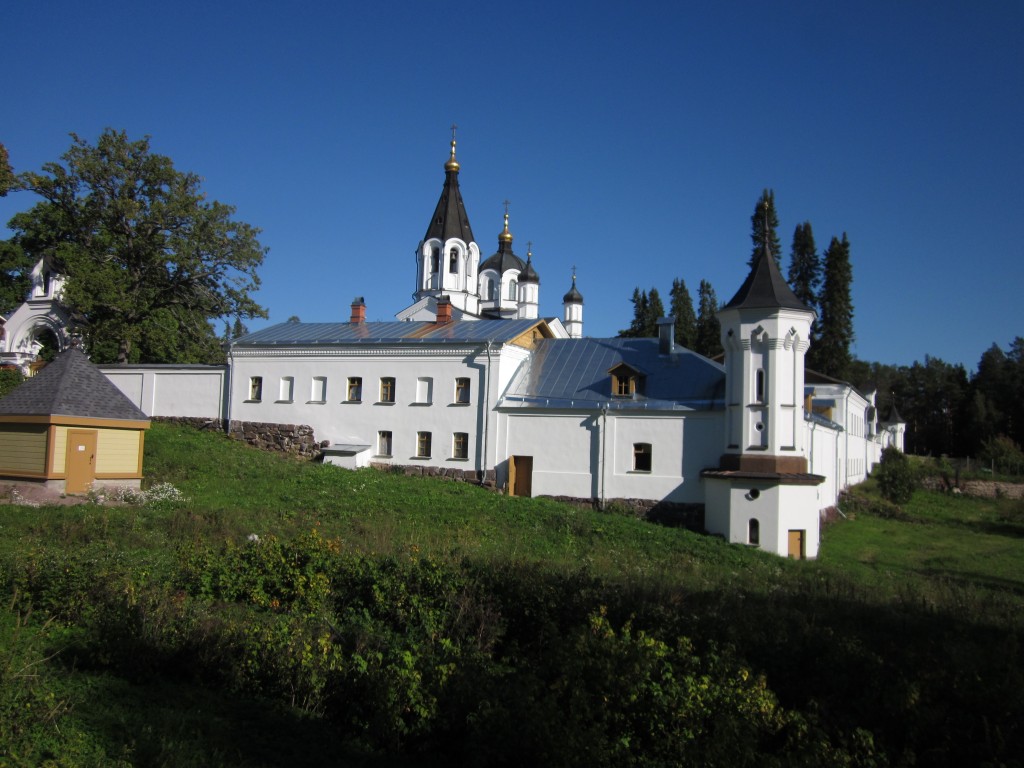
<point x="150" y="262"/>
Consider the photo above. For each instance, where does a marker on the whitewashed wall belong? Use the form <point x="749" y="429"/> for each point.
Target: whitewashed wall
<point x="194" y="391"/>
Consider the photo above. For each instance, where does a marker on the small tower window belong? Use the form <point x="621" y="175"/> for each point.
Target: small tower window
<point x="435" y="260"/>
<point x="512" y="286"/>
<point x="759" y="386"/>
<point x="453" y="260"/>
<point x="754" y="532"/>
<point x="489" y="290"/>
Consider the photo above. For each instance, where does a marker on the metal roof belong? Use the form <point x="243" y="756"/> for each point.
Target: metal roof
<point x="70" y="386"/>
<point x="395" y="332"/>
<point x="574" y="373"/>
<point x="765" y="288"/>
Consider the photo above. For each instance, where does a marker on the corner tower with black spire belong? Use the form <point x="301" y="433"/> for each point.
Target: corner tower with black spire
<point x="448" y="257"/>
<point x="761" y="492"/>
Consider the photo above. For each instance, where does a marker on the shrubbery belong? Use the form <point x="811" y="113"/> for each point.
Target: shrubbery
<point x="897" y="479"/>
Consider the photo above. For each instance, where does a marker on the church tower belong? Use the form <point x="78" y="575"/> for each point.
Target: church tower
<point x="448" y="257"/>
<point x="572" y="304"/>
<point x="499" y="278"/>
<point x="761" y="493"/>
<point x="529" y="289"/>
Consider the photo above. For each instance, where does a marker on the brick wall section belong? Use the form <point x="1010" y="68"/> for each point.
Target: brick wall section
<point x="295" y="439"/>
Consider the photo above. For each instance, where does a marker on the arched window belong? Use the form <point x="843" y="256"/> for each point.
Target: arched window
<point x="435" y="259"/>
<point x="759" y="386"/>
<point x="754" y="532"/>
<point x="453" y="260"/>
<point x="489" y="289"/>
<point x="512" y="290"/>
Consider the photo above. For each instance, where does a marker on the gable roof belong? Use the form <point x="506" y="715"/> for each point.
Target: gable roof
<point x="70" y="386"/>
<point x="409" y="332"/>
<point x="575" y="373"/>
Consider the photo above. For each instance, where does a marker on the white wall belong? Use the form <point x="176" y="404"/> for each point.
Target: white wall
<point x="189" y="391"/>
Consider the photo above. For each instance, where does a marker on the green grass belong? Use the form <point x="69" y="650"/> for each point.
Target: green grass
<point x="902" y="643"/>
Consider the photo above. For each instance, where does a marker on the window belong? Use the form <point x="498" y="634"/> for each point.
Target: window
<point x="641" y="457"/>
<point x="355" y="389"/>
<point x="435" y="259"/>
<point x="453" y="260"/>
<point x="489" y="290"/>
<point x="424" y="390"/>
<point x="512" y="290"/>
<point x="256" y="388"/>
<point x="460" y="446"/>
<point x="286" y="390"/>
<point x="423" y="445"/>
<point x="759" y="386"/>
<point x="387" y="389"/>
<point x="754" y="532"/>
<point x="462" y="390"/>
<point x="318" y="392"/>
<point x="383" y="443"/>
<point x="623" y="387"/>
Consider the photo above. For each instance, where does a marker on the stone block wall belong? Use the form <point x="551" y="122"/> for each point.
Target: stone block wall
<point x="295" y="439"/>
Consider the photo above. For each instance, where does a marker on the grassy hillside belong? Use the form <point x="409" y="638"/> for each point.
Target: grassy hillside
<point x="288" y="613"/>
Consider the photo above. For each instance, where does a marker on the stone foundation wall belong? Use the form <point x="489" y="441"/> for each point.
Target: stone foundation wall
<point x="451" y="473"/>
<point x="988" y="489"/>
<point x="294" y="439"/>
<point x="217" y="425"/>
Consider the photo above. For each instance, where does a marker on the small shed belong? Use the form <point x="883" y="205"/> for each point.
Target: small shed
<point x="70" y="428"/>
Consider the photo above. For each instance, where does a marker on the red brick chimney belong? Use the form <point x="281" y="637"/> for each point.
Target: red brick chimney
<point x="444" y="310"/>
<point x="358" y="310"/>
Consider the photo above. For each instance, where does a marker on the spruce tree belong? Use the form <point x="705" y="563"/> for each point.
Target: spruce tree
<point x="765" y="208"/>
<point x="831" y="354"/>
<point x="682" y="309"/>
<point x="636" y="327"/>
<point x="655" y="311"/>
<point x="709" y="342"/>
<point x="805" y="266"/>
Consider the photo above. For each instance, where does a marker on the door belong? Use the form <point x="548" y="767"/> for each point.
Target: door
<point x="520" y="481"/>
<point x="796" y="545"/>
<point x="80" y="464"/>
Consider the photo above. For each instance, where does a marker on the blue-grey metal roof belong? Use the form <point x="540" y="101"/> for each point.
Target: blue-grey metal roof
<point x="396" y="332"/>
<point x="574" y="373"/>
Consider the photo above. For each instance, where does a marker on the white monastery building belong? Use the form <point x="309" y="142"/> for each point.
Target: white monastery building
<point x="470" y="381"/>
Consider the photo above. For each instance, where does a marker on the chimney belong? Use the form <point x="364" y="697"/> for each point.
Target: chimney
<point x="667" y="335"/>
<point x="358" y="310"/>
<point x="444" y="310"/>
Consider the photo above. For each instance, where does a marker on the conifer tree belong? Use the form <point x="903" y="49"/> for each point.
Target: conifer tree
<point x="765" y="209"/>
<point x="709" y="342"/>
<point x="831" y="354"/>
<point x="682" y="309"/>
<point x="636" y="327"/>
<point x="655" y="311"/>
<point x="805" y="266"/>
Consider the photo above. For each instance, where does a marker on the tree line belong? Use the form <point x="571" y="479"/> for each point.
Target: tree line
<point x="151" y="263"/>
<point x="821" y="282"/>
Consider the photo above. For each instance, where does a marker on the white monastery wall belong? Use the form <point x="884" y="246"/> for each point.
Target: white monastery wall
<point x="183" y="391"/>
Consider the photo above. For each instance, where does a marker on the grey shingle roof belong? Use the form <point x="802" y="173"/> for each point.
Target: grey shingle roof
<point x="574" y="373"/>
<point x="70" y="386"/>
<point x="420" y="332"/>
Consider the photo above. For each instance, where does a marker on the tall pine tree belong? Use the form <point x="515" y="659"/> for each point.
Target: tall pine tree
<point x="636" y="327"/>
<point x="805" y="266"/>
<point x="765" y="209"/>
<point x="682" y="309"/>
<point x="831" y="354"/>
<point x="655" y="311"/>
<point x="709" y="342"/>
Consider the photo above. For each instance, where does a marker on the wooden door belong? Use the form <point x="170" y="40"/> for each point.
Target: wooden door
<point x="80" y="463"/>
<point x="520" y="481"/>
<point x="796" y="545"/>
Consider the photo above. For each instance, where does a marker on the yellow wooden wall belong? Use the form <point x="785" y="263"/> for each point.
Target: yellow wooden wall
<point x="117" y="451"/>
<point x="23" y="449"/>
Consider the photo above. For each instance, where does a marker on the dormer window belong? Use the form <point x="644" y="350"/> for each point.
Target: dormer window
<point x="626" y="381"/>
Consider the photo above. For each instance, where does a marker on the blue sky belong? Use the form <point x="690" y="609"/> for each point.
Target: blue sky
<point x="632" y="139"/>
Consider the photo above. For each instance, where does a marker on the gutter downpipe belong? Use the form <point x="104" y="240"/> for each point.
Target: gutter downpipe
<point x="228" y="395"/>
<point x="604" y="453"/>
<point x="487" y="413"/>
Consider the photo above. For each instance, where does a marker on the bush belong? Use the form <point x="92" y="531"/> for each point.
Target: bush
<point x="1003" y="454"/>
<point x="897" y="480"/>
